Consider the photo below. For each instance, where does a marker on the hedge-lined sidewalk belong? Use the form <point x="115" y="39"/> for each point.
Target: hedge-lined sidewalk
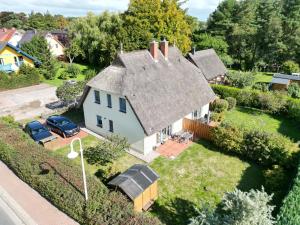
<point x="39" y="209"/>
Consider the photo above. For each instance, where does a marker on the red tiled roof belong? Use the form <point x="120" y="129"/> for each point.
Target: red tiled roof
<point x="6" y="34"/>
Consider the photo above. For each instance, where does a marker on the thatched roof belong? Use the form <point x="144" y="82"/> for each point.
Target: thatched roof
<point x="161" y="92"/>
<point x="135" y="180"/>
<point x="209" y="63"/>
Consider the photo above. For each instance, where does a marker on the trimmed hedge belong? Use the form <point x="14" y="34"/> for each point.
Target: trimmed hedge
<point x="27" y="76"/>
<point x="289" y="213"/>
<point x="59" y="180"/>
<point x="264" y="148"/>
<point x="271" y="102"/>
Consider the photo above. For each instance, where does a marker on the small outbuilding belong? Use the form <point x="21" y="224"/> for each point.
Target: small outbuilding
<point x="139" y="183"/>
<point x="282" y="81"/>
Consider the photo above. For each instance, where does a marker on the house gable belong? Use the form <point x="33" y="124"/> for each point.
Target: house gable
<point x="124" y="124"/>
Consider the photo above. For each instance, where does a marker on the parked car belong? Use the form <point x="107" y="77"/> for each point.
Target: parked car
<point x="62" y="125"/>
<point x="38" y="132"/>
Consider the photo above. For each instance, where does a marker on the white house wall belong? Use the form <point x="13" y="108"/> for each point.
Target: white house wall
<point x="124" y="124"/>
<point x="55" y="47"/>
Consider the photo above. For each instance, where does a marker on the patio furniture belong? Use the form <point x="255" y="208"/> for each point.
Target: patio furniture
<point x="185" y="137"/>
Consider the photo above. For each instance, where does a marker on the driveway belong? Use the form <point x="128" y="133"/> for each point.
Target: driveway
<point x="27" y="205"/>
<point x="28" y="102"/>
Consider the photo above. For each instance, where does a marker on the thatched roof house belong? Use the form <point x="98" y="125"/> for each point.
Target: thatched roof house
<point x="159" y="86"/>
<point x="209" y="63"/>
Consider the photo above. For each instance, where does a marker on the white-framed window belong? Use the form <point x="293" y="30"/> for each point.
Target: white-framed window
<point x="1" y="62"/>
<point x="97" y="96"/>
<point x="122" y="102"/>
<point x="111" y="126"/>
<point x="99" y="121"/>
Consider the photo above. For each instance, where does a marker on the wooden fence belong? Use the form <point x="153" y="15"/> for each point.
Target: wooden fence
<point x="200" y="130"/>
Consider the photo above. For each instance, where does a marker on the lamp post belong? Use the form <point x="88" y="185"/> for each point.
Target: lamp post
<point x="73" y="155"/>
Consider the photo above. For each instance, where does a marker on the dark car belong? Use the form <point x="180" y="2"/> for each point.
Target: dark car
<point x="38" y="132"/>
<point x="63" y="126"/>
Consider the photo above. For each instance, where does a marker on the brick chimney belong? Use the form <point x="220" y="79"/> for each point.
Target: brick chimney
<point x="154" y="50"/>
<point x="164" y="48"/>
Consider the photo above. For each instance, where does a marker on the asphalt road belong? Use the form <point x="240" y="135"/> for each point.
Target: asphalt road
<point x="7" y="216"/>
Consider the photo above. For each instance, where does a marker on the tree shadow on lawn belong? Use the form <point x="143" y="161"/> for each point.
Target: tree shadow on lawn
<point x="177" y="211"/>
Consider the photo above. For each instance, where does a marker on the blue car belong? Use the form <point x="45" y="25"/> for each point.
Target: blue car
<point x="38" y="132"/>
<point x="62" y="126"/>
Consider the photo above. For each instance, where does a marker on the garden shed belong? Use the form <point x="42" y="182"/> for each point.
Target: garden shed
<point x="139" y="183"/>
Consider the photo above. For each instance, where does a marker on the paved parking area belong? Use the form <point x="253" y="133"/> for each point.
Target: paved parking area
<point x="61" y="142"/>
<point x="28" y="102"/>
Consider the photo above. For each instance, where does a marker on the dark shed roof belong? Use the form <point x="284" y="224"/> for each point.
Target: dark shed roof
<point x="209" y="63"/>
<point x="286" y="76"/>
<point x="159" y="92"/>
<point x="135" y="180"/>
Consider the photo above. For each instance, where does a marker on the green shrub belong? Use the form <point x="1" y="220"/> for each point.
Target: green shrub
<point x="219" y="105"/>
<point x="73" y="70"/>
<point x="293" y="108"/>
<point x="261" y="86"/>
<point x="271" y="102"/>
<point x="59" y="180"/>
<point x="89" y="74"/>
<point x="239" y="208"/>
<point x="290" y="67"/>
<point x="264" y="148"/>
<point x="64" y="75"/>
<point x="217" y="117"/>
<point x="294" y="90"/>
<point x="228" y="138"/>
<point x="267" y="148"/>
<point x="231" y="102"/>
<point x="26" y="76"/>
<point x="240" y="79"/>
<point x="275" y="180"/>
<point x="226" y="91"/>
<point x="289" y="211"/>
<point x="68" y="92"/>
<point x="107" y="151"/>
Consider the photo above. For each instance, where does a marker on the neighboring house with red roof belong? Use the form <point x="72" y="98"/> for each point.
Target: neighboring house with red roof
<point x="12" y="36"/>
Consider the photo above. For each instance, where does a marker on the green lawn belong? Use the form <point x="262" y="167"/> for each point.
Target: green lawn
<point x="57" y="82"/>
<point x="198" y="176"/>
<point x="119" y="165"/>
<point x="263" y="77"/>
<point x="253" y="118"/>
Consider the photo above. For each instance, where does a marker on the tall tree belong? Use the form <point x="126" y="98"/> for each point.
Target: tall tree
<point x="291" y="28"/>
<point x="99" y="37"/>
<point x="269" y="33"/>
<point x="38" y="48"/>
<point x="155" y="19"/>
<point x="242" y="37"/>
<point x="220" y="21"/>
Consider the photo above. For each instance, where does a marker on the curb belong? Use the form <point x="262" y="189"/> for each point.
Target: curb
<point x="16" y="208"/>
